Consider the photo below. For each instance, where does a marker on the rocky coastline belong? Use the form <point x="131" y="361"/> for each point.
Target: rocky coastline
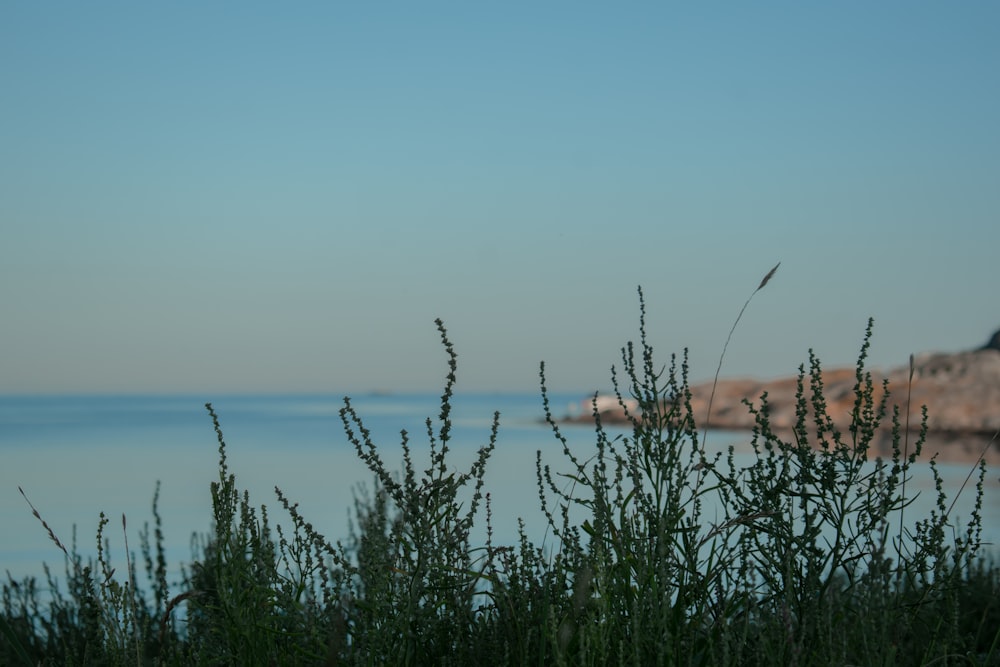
<point x="961" y="391"/>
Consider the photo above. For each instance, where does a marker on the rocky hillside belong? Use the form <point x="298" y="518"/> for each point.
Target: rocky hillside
<point x="961" y="391"/>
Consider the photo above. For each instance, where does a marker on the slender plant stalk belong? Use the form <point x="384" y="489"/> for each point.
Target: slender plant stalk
<point x="793" y="570"/>
<point x="982" y="455"/>
<point x="906" y="451"/>
<point x="132" y="593"/>
<point x="715" y="382"/>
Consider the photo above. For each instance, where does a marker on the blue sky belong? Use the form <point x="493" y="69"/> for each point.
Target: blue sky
<point x="217" y="197"/>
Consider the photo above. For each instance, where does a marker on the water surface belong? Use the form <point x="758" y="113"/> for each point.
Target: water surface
<point x="77" y="456"/>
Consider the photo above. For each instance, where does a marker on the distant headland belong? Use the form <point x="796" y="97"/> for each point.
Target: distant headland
<point x="961" y="391"/>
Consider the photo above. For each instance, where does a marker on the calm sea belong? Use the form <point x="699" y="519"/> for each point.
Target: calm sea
<point x="77" y="456"/>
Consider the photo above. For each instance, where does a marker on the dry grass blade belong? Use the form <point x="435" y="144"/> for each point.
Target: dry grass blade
<point x="165" y="619"/>
<point x="906" y="447"/>
<point x="715" y="382"/>
<point x="132" y="594"/>
<point x="979" y="461"/>
<point x="52" y="535"/>
<point x="769" y="275"/>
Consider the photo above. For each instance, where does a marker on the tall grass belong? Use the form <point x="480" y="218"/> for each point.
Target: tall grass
<point x="810" y="560"/>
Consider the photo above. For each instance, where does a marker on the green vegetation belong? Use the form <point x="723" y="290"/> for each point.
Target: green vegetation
<point x="813" y="560"/>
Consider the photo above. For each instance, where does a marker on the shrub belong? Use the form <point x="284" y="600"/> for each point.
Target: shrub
<point x="810" y="562"/>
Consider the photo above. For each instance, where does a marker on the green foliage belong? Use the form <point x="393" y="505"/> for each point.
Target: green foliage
<point x="812" y="560"/>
